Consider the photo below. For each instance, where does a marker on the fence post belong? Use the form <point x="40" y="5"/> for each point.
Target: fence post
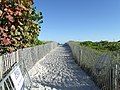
<point x="116" y="73"/>
<point x="17" y="56"/>
<point x="116" y="77"/>
<point x="111" y="75"/>
<point x="1" y="67"/>
<point x="78" y="57"/>
<point x="81" y="56"/>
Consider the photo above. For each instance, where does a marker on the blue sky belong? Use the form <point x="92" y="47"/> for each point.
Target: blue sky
<point x="81" y="20"/>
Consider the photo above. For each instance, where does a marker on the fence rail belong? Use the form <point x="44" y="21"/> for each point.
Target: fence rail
<point x="103" y="67"/>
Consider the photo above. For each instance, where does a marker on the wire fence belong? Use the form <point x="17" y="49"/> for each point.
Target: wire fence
<point x="102" y="67"/>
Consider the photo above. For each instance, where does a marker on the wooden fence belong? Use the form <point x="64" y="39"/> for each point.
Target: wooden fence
<point x="103" y="67"/>
<point x="29" y="55"/>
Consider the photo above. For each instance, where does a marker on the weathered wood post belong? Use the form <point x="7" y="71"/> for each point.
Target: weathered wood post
<point x="116" y="73"/>
<point x="1" y="67"/>
<point x="116" y="77"/>
<point x="80" y="56"/>
<point x="111" y="74"/>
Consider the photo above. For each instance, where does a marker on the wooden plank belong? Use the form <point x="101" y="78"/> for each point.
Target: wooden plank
<point x="1" y="67"/>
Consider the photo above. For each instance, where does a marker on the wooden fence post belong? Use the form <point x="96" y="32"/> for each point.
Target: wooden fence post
<point x="116" y="77"/>
<point x="81" y="56"/>
<point x="78" y="57"/>
<point x="1" y="67"/>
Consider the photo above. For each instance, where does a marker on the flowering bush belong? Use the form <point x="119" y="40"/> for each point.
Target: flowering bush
<point x="19" y="26"/>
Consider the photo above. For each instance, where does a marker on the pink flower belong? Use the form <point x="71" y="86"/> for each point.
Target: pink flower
<point x="6" y="41"/>
<point x="10" y="18"/>
<point x="10" y="11"/>
<point x="18" y="13"/>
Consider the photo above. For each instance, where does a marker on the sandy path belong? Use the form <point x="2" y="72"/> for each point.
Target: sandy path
<point x="58" y="71"/>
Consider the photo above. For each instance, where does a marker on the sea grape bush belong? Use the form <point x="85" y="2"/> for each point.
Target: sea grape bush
<point x="19" y="26"/>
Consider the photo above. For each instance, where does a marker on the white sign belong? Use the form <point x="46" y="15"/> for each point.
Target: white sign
<point x="17" y="78"/>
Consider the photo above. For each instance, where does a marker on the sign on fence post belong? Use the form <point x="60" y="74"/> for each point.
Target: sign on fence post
<point x="17" y="78"/>
<point x="1" y="67"/>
